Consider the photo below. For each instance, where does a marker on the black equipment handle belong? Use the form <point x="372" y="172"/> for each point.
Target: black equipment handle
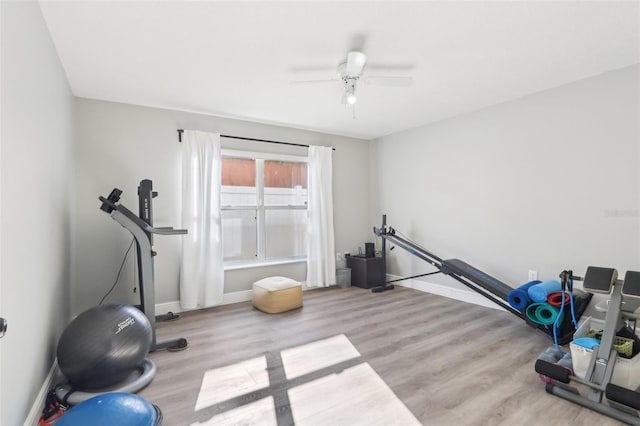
<point x="109" y="204"/>
<point x="554" y="371"/>
<point x="623" y="396"/>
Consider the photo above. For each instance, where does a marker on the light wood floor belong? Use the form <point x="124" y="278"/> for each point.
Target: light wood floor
<point x="448" y="362"/>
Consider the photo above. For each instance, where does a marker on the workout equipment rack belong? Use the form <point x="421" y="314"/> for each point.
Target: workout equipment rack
<point x="142" y="230"/>
<point x="623" y="404"/>
<point x="479" y="281"/>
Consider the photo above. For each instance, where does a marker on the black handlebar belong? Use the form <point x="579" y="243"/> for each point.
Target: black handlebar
<point x="109" y="204"/>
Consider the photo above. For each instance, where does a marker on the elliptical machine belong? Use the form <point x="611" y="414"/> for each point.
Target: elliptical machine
<point x="141" y="227"/>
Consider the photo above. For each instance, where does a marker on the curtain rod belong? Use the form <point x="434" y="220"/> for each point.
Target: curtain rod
<point x="180" y="131"/>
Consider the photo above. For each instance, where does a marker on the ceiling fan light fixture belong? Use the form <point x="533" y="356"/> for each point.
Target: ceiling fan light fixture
<point x="350" y="94"/>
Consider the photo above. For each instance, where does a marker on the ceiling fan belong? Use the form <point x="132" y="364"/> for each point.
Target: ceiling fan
<point x="350" y="72"/>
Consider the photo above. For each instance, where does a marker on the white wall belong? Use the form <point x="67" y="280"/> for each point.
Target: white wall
<point x="118" y="145"/>
<point x="37" y="180"/>
<point x="547" y="182"/>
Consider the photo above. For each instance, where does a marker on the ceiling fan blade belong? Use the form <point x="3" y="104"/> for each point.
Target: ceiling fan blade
<point x="355" y="63"/>
<point x="332" y="80"/>
<point x="388" y="81"/>
<point x="390" y="66"/>
<point x="311" y="68"/>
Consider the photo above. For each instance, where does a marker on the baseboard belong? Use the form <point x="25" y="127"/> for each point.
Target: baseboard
<point x="464" y="295"/>
<point x="36" y="409"/>
<point x="227" y="299"/>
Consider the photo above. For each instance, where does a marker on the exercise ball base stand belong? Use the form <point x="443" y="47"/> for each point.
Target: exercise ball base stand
<point x="68" y="394"/>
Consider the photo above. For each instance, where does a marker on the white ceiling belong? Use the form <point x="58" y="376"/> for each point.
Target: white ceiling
<point x="236" y="59"/>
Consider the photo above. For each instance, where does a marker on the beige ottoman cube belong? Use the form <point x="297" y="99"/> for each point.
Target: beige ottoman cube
<point x="276" y="294"/>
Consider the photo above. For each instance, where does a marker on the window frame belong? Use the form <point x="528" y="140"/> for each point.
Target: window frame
<point x="260" y="208"/>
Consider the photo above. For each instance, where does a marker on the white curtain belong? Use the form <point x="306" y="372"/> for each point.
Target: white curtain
<point x="202" y="272"/>
<point x="321" y="262"/>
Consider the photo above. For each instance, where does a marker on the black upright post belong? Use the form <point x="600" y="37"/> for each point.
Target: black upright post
<point x="145" y="204"/>
<point x="383" y="286"/>
<point x="384" y="245"/>
<point x="146" y="194"/>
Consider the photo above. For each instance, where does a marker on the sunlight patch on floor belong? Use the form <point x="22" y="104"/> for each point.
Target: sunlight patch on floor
<point x="355" y="395"/>
<point x="228" y="382"/>
<point x="317" y="355"/>
<point x="261" y="412"/>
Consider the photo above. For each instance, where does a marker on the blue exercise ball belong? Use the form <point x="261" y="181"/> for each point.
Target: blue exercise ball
<point x="113" y="409"/>
<point x="103" y="345"/>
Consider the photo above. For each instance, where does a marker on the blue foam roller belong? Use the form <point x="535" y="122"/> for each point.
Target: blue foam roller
<point x="111" y="409"/>
<point x="539" y="292"/>
<point x="519" y="298"/>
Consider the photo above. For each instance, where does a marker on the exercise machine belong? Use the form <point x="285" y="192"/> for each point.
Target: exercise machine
<point x="601" y="395"/>
<point x="141" y="227"/>
<point x="480" y="282"/>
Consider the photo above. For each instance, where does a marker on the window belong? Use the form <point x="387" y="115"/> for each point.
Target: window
<point x="264" y="207"/>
